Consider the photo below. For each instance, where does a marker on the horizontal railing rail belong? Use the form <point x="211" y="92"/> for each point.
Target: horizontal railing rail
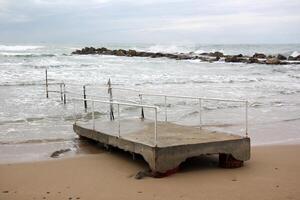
<point x="93" y="101"/>
<point x="200" y="99"/>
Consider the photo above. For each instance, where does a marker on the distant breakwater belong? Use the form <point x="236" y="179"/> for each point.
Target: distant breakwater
<point x="259" y="58"/>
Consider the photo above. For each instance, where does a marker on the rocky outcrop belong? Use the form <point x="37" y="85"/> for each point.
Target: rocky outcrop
<point x="281" y="57"/>
<point x="258" y="58"/>
<point x="273" y="61"/>
<point x="259" y="55"/>
<point x="294" y="58"/>
<point x="237" y="58"/>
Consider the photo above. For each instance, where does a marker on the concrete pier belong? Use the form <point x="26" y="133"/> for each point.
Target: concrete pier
<point x="175" y="143"/>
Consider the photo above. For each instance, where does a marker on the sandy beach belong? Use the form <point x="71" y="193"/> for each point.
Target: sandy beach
<point x="272" y="173"/>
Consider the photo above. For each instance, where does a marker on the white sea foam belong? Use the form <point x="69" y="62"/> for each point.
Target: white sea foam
<point x="295" y="54"/>
<point x="18" y="48"/>
<point x="167" y="49"/>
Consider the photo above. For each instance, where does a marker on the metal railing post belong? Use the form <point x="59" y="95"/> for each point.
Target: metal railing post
<point x="166" y="111"/>
<point x="142" y="109"/>
<point x="119" y="123"/>
<point x="84" y="96"/>
<point x="246" y="118"/>
<point x="65" y="97"/>
<point x="200" y="113"/>
<point x="93" y="114"/>
<point x="155" y="128"/>
<point x="61" y="92"/>
<point x="47" y="93"/>
<point x="112" y="117"/>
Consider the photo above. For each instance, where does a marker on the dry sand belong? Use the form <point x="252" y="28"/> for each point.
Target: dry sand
<point x="272" y="173"/>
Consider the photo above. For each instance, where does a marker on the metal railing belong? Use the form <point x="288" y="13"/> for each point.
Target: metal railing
<point x="93" y="101"/>
<point x="112" y="100"/>
<point x="200" y="99"/>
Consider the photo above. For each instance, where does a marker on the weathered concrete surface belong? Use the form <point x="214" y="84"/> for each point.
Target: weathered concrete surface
<point x="175" y="143"/>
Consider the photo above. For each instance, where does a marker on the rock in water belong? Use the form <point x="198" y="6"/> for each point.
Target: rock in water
<point x="142" y="174"/>
<point x="281" y="57"/>
<point x="234" y="59"/>
<point x="216" y="54"/>
<point x="55" y="154"/>
<point x="259" y="55"/>
<point x="253" y="60"/>
<point x="273" y="61"/>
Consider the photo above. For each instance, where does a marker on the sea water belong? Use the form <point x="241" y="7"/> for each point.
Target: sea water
<point x="31" y="123"/>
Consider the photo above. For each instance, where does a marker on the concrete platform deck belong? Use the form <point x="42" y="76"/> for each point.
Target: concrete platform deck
<point x="175" y="143"/>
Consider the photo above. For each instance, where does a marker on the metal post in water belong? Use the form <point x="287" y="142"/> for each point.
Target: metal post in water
<point x="61" y="92"/>
<point x="65" y="97"/>
<point x="155" y="128"/>
<point x="200" y="113"/>
<point x="84" y="97"/>
<point x="47" y="93"/>
<point x="246" y="118"/>
<point x="93" y="114"/>
<point x="112" y="117"/>
<point x="119" y="125"/>
<point x="142" y="109"/>
<point x="166" y="114"/>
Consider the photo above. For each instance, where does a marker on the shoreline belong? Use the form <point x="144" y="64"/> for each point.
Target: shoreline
<point x="21" y="153"/>
<point x="272" y="173"/>
<point x="18" y="153"/>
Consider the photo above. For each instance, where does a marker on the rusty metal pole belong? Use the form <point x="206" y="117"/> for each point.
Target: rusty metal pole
<point x="65" y="97"/>
<point x="142" y="109"/>
<point x="84" y="97"/>
<point x="47" y="93"/>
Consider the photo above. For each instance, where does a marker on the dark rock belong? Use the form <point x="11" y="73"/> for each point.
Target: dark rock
<point x="204" y="54"/>
<point x="273" y="61"/>
<point x="144" y="173"/>
<point x="158" y="55"/>
<point x="281" y="57"/>
<point x="183" y="57"/>
<point x="131" y="52"/>
<point x="298" y="58"/>
<point x="239" y="55"/>
<point x="55" y="154"/>
<point x="259" y="55"/>
<point x="120" y="52"/>
<point x="271" y="56"/>
<point x="253" y="60"/>
<point x="234" y="59"/>
<point x="208" y="59"/>
<point x="292" y="58"/>
<point x="216" y="54"/>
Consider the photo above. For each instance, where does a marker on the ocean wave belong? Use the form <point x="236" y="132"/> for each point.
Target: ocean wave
<point x="166" y="49"/>
<point x="26" y="55"/>
<point x="295" y="54"/>
<point x="182" y="82"/>
<point x="289" y="92"/>
<point x="19" y="47"/>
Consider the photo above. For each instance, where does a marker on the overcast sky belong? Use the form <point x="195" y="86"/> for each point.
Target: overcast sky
<point x="150" y="21"/>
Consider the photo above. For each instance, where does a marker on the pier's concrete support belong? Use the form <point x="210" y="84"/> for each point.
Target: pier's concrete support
<point x="167" y="156"/>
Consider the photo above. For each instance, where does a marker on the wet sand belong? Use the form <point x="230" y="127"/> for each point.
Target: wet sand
<point x="272" y="173"/>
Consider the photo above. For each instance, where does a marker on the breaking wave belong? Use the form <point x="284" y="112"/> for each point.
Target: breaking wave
<point x="295" y="54"/>
<point x="26" y="55"/>
<point x="19" y="47"/>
